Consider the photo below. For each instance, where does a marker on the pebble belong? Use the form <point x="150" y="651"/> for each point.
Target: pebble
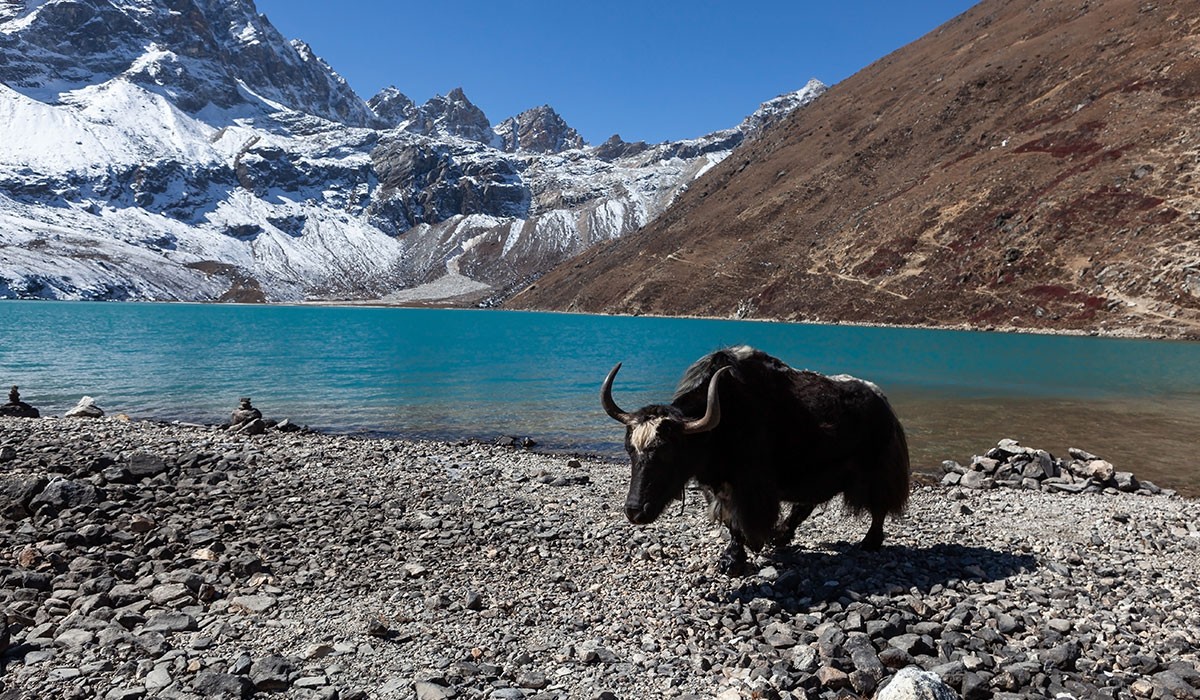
<point x="187" y="562"/>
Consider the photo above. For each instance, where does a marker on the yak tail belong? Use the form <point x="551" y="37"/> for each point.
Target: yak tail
<point x="897" y="473"/>
<point x="881" y="482"/>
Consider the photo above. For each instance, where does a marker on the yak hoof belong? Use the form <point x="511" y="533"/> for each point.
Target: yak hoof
<point x="732" y="561"/>
<point x="872" y="542"/>
<point x="874" y="539"/>
<point x="782" y="537"/>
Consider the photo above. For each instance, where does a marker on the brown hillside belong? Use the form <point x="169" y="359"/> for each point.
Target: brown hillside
<point x="1031" y="163"/>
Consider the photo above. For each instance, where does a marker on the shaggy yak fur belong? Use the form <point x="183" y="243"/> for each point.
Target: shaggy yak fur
<point x="755" y="434"/>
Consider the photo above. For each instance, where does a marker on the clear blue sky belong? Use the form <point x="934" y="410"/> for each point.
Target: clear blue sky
<point x="650" y="70"/>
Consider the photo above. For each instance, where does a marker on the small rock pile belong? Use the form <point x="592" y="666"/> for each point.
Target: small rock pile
<point x="17" y="408"/>
<point x="248" y="420"/>
<point x="1008" y="464"/>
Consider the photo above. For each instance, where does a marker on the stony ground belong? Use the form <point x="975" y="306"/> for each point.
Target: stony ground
<point x="149" y="561"/>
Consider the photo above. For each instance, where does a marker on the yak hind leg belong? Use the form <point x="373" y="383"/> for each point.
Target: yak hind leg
<point x="784" y="533"/>
<point x="733" y="559"/>
<point x="874" y="538"/>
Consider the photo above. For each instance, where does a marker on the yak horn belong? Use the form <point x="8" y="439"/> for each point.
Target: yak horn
<point x="712" y="413"/>
<point x="606" y="399"/>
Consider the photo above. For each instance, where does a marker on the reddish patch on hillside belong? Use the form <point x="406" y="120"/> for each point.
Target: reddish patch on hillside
<point x="1059" y="293"/>
<point x="1108" y="206"/>
<point x="1064" y="144"/>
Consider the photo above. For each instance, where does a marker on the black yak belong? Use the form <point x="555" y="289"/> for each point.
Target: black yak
<point x="755" y="433"/>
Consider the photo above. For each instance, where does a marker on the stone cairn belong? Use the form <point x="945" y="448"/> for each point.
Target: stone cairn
<point x="248" y="420"/>
<point x="16" y="407"/>
<point x="1009" y="464"/>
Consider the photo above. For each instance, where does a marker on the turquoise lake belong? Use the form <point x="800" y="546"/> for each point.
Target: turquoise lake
<point x="452" y="374"/>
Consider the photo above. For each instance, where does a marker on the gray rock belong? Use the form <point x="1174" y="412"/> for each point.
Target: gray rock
<point x="272" y="673"/>
<point x="1062" y="656"/>
<point x="75" y="639"/>
<point x="86" y="408"/>
<point x="157" y="679"/>
<point x="253" y="603"/>
<point x="533" y="680"/>
<point x="17" y="493"/>
<point x="143" y="465"/>
<point x="1125" y="481"/>
<point x="432" y="691"/>
<point x="976" y="480"/>
<point x="911" y="644"/>
<point x="65" y="493"/>
<point x="225" y="686"/>
<point x="170" y="622"/>
<point x="779" y="635"/>
<point x="912" y="683"/>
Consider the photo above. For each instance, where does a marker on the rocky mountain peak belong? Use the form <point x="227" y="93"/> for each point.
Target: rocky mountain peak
<point x="451" y="115"/>
<point x="616" y="147"/>
<point x="392" y="106"/>
<point x="775" y="109"/>
<point x="198" y="52"/>
<point x="538" y="130"/>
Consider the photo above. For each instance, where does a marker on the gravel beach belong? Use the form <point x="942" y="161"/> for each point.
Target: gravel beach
<point x="142" y="560"/>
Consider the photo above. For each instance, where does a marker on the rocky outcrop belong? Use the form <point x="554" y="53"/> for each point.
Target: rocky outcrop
<point x="428" y="182"/>
<point x="452" y="115"/>
<point x="538" y="130"/>
<point x="392" y="106"/>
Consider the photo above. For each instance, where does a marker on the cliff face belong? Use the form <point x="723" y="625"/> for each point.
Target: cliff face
<point x="1030" y="164"/>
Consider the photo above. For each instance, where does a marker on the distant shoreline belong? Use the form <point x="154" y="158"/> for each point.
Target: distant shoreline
<point x="1117" y="333"/>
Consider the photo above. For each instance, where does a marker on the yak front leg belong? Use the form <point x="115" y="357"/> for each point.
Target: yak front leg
<point x="783" y="534"/>
<point x="733" y="560"/>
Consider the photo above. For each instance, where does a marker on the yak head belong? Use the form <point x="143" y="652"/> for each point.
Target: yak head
<point x="662" y="448"/>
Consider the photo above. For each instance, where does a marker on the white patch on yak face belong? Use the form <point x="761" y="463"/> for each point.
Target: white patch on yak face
<point x="742" y="352"/>
<point x="643" y="434"/>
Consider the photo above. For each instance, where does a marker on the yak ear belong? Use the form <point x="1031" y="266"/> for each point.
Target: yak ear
<point x="712" y="412"/>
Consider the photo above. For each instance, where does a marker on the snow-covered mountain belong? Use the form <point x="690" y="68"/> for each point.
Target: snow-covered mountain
<point x="186" y="150"/>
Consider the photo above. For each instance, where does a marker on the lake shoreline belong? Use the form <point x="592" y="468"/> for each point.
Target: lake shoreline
<point x="1181" y="335"/>
<point x="186" y="561"/>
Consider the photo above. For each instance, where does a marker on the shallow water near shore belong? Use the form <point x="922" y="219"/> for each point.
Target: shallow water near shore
<point x="453" y="374"/>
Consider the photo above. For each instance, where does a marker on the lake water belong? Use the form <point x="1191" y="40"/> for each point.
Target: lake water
<point x="480" y="374"/>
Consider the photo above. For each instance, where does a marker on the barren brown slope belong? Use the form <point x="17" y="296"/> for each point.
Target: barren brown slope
<point x="1031" y="163"/>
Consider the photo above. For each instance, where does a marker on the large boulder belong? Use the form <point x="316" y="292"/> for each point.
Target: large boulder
<point x="86" y="408"/>
<point x="61" y="494"/>
<point x="912" y="683"/>
<point x="17" y="493"/>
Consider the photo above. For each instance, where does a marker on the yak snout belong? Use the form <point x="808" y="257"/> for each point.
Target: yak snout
<point x="639" y="513"/>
